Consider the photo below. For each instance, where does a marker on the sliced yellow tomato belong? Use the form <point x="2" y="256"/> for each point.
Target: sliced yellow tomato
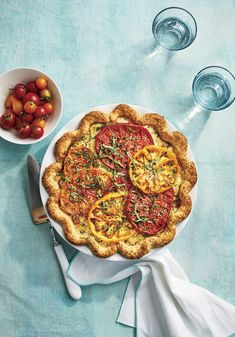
<point x="154" y="169"/>
<point x="107" y="220"/>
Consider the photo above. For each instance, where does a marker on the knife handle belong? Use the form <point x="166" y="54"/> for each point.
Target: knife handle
<point x="73" y="288"/>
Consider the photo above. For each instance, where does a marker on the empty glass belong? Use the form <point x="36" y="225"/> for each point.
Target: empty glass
<point x="174" y="28"/>
<point x="214" y="88"/>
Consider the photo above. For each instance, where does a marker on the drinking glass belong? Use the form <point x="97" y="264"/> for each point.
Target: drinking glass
<point x="214" y="88"/>
<point x="174" y="28"/>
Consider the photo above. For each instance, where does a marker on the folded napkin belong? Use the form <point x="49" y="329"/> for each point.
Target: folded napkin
<point x="159" y="300"/>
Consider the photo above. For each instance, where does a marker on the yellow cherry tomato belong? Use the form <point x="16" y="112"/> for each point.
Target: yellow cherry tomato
<point x="41" y="83"/>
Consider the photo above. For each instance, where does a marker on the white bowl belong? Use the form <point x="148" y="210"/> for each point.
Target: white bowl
<point x="8" y="80"/>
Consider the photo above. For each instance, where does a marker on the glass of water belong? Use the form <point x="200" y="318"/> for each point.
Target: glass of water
<point x="214" y="88"/>
<point x="174" y="28"/>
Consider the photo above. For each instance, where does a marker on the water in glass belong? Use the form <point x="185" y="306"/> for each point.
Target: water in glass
<point x="212" y="91"/>
<point x="172" y="33"/>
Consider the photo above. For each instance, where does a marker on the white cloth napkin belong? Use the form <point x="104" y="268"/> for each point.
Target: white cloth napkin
<point x="159" y="300"/>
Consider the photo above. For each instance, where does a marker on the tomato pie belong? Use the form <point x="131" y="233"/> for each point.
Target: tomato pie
<point x="120" y="183"/>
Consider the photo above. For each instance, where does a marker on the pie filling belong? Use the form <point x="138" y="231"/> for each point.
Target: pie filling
<point x="120" y="182"/>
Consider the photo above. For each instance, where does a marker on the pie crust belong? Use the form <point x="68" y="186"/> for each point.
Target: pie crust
<point x="80" y="233"/>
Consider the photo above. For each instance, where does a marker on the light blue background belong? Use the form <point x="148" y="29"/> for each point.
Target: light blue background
<point x="99" y="52"/>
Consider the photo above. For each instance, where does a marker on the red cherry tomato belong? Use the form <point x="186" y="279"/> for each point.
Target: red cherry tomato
<point x="39" y="122"/>
<point x="31" y="87"/>
<point x="45" y="94"/>
<point x="31" y="96"/>
<point x="40" y="111"/>
<point x="30" y="107"/>
<point x="49" y="107"/>
<point x="41" y="83"/>
<point x="10" y="110"/>
<point x="7" y="120"/>
<point x="18" y="123"/>
<point x="37" y="132"/>
<point x="26" y="117"/>
<point x="25" y="130"/>
<point x="19" y="91"/>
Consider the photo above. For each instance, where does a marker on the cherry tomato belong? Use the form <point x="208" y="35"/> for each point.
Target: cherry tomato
<point x="19" y="91"/>
<point x="39" y="122"/>
<point x="30" y="107"/>
<point x="31" y="87"/>
<point x="49" y="107"/>
<point x="18" y="123"/>
<point x="8" y="102"/>
<point x="40" y="111"/>
<point x="41" y="83"/>
<point x="17" y="105"/>
<point x="45" y="94"/>
<point x="7" y="120"/>
<point x="31" y="96"/>
<point x="37" y="132"/>
<point x="26" y="117"/>
<point x="45" y="117"/>
<point x="10" y="110"/>
<point x="25" y="130"/>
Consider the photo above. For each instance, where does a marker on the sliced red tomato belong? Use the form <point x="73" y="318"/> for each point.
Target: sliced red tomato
<point x="148" y="213"/>
<point x="78" y="158"/>
<point x="116" y="144"/>
<point x="121" y="181"/>
<point x="79" y="192"/>
<point x="74" y="200"/>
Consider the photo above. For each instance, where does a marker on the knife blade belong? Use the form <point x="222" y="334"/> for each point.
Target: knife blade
<point x="39" y="216"/>
<point x="37" y="210"/>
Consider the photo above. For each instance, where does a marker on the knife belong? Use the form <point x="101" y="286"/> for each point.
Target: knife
<point x="39" y="216"/>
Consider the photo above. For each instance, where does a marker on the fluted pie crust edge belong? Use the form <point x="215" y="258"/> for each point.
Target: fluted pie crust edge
<point x="188" y="173"/>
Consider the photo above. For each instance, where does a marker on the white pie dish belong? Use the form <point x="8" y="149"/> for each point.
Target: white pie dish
<point x="49" y="159"/>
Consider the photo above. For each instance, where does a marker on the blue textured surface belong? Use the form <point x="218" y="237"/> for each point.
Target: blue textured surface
<point x="99" y="52"/>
